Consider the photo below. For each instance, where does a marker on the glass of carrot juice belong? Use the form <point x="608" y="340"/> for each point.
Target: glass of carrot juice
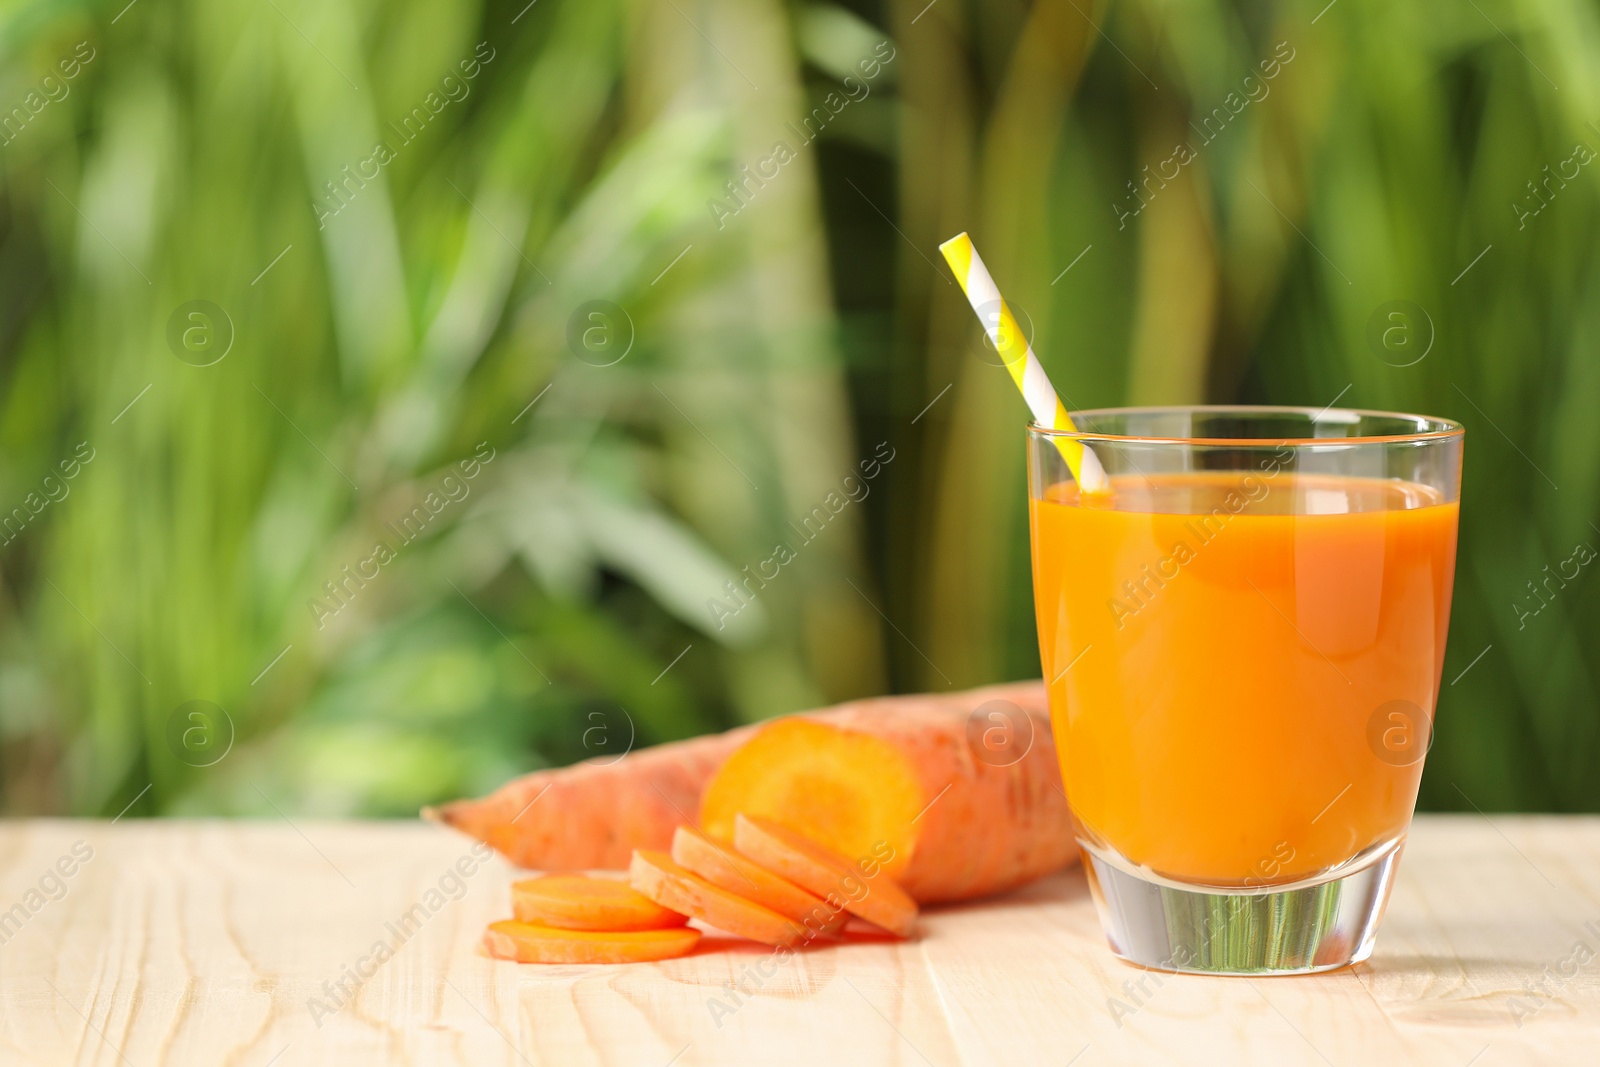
<point x="1243" y="639"/>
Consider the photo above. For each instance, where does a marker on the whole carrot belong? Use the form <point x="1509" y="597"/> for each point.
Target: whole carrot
<point x="916" y="773"/>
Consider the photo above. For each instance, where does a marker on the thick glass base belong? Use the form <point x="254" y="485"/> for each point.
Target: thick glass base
<point x="1318" y="924"/>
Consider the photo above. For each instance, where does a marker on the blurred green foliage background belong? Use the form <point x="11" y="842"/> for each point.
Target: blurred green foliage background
<point x="544" y="277"/>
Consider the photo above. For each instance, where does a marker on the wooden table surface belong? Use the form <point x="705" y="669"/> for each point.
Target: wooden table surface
<point x="222" y="943"/>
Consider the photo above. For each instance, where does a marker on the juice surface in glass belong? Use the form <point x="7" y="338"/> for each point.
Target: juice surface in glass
<point x="1229" y="655"/>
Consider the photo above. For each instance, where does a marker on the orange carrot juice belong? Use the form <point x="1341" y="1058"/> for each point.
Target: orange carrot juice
<point x="1222" y="651"/>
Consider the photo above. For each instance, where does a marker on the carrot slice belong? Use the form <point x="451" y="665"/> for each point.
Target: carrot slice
<point x="859" y="888"/>
<point x="725" y="868"/>
<point x="656" y="876"/>
<point x="846" y="788"/>
<point x="580" y="902"/>
<point x="533" y="943"/>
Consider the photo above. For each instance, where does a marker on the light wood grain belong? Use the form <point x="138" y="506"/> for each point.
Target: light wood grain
<point x="202" y="943"/>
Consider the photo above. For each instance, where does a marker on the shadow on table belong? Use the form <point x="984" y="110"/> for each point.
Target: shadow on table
<point x="1066" y="887"/>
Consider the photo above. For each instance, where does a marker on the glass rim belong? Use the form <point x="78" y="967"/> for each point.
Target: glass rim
<point x="1437" y="429"/>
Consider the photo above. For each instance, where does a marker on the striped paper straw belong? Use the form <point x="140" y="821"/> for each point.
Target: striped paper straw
<point x="1017" y="354"/>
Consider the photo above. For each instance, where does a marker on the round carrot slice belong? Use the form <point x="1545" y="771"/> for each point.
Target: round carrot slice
<point x="656" y="876"/>
<point x="580" y="902"/>
<point x="850" y="790"/>
<point x="835" y="878"/>
<point x="533" y="943"/>
<point x="726" y="869"/>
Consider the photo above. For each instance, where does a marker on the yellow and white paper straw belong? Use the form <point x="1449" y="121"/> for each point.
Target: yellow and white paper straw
<point x="1017" y="354"/>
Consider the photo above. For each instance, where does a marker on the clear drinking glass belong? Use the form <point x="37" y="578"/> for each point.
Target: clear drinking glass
<point x="1243" y="642"/>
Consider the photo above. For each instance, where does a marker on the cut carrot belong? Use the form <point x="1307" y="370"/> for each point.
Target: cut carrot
<point x="579" y="902"/>
<point x="532" y="943"/>
<point x="917" y="774"/>
<point x="723" y="867"/>
<point x="860" y="887"/>
<point x="656" y="876"/>
<point x="916" y="784"/>
<point x="852" y="789"/>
